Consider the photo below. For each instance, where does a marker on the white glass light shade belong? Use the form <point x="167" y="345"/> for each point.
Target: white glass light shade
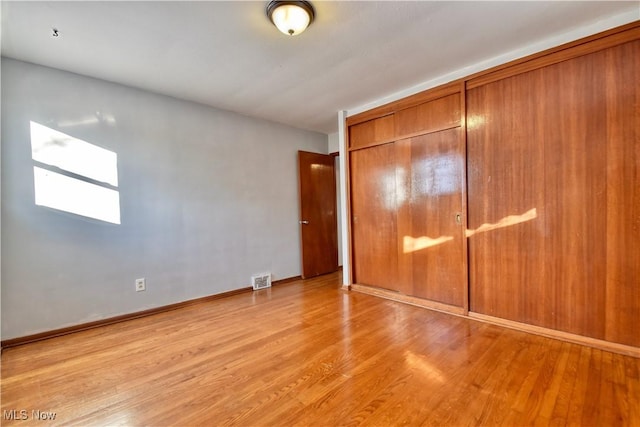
<point x="290" y="17"/>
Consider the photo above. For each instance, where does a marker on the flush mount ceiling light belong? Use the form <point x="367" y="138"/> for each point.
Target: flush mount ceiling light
<point x="290" y="17"/>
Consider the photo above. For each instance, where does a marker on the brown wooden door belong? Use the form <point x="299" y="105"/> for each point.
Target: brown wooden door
<point x="318" y="225"/>
<point x="430" y="184"/>
<point x="373" y="223"/>
<point x="407" y="217"/>
<point x="554" y="179"/>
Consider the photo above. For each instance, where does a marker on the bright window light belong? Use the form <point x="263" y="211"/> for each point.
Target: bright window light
<point x="58" y="149"/>
<point x="74" y="176"/>
<point x="67" y="194"/>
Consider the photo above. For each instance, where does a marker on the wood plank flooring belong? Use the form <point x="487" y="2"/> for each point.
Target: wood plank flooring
<point x="308" y="353"/>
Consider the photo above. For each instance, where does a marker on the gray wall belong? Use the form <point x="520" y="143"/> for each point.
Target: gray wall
<point x="207" y="199"/>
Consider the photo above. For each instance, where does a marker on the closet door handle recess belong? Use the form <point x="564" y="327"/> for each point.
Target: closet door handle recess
<point x="458" y="218"/>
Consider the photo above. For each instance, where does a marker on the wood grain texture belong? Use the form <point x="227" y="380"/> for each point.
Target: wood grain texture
<point x="622" y="104"/>
<point x="408" y="193"/>
<point x="429" y="189"/>
<point x="439" y="114"/>
<point x="465" y="210"/>
<point x="408" y="299"/>
<point x="562" y="140"/>
<point x="554" y="55"/>
<point x="374" y="218"/>
<point x="408" y="102"/>
<point x="374" y="131"/>
<point x="307" y="353"/>
<point x="318" y="216"/>
<point x="551" y="333"/>
<point x="41" y="336"/>
<point x="505" y="180"/>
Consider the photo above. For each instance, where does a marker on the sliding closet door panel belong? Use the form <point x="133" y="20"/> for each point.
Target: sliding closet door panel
<point x="506" y="202"/>
<point x="622" y="88"/>
<point x="373" y="209"/>
<point x="430" y="179"/>
<point x="553" y="196"/>
<point x="575" y="176"/>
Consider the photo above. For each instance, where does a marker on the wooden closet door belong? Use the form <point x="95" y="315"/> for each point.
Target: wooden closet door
<point x="554" y="173"/>
<point x="506" y="170"/>
<point x="373" y="210"/>
<point x="431" y="251"/>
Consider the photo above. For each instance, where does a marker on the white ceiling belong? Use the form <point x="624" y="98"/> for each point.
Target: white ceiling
<point x="228" y="55"/>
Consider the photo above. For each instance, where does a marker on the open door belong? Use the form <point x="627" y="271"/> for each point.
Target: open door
<point x="318" y="224"/>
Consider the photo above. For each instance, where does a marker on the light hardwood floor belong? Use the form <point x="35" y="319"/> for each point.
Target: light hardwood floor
<point x="308" y="353"/>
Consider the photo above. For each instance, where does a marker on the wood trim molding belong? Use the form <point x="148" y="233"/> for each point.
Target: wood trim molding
<point x="400" y="137"/>
<point x="395" y="296"/>
<point x="347" y="202"/>
<point x="13" y="342"/>
<point x="522" y="327"/>
<point x="546" y="57"/>
<point x="282" y="281"/>
<point x="465" y="196"/>
<point x="557" y="54"/>
<point x="559" y="335"/>
<point x="374" y="144"/>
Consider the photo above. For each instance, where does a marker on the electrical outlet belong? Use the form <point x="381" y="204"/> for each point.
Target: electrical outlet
<point x="141" y="285"/>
